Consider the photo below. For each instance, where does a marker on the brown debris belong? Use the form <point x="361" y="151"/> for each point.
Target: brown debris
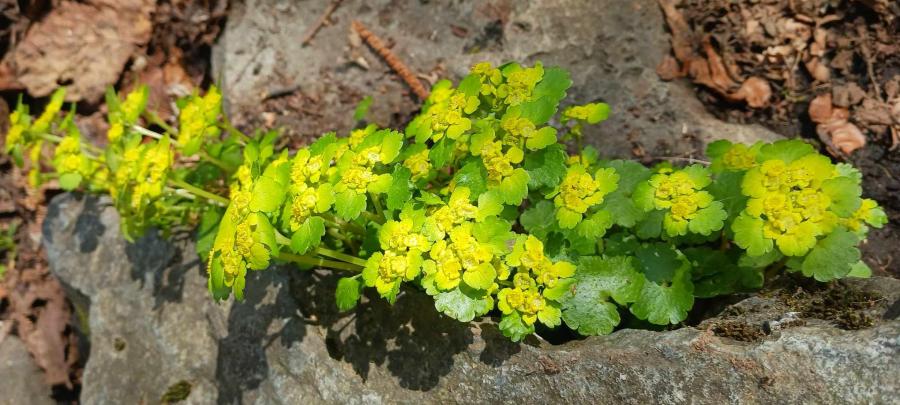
<point x="399" y="67"/>
<point x="82" y="46"/>
<point x="709" y="69"/>
<point x="323" y="20"/>
<point x="833" y="127"/>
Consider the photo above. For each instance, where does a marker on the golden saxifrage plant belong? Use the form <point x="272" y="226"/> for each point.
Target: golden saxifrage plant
<point x="476" y="203"/>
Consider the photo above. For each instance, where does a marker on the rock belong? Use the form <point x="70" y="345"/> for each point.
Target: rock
<point x="156" y="333"/>
<point x="21" y="381"/>
<point x="612" y="49"/>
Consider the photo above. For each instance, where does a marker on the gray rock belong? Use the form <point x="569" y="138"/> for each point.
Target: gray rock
<point x="611" y="47"/>
<point x="153" y="325"/>
<point x="21" y="381"/>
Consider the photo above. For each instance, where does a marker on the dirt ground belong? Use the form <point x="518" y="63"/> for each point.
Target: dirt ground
<point x="825" y="70"/>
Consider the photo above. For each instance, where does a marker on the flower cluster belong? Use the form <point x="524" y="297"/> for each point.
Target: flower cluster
<point x="198" y="120"/>
<point x="681" y="196"/>
<point x="476" y="203"/>
<point x="579" y="191"/>
<point x="537" y="286"/>
<point x="788" y="203"/>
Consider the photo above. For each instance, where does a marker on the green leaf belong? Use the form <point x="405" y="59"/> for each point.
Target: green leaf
<point x="480" y="277"/>
<point x="651" y="225"/>
<point x="716" y="272"/>
<point x="658" y="261"/>
<point x="546" y="167"/>
<point x="619" y="202"/>
<point x="539" y="110"/>
<point x="399" y="192"/>
<point x="441" y="152"/>
<point x="709" y="219"/>
<point x="308" y="236"/>
<point x="514" y="188"/>
<point x="489" y="204"/>
<point x="844" y="193"/>
<point x="643" y="196"/>
<point x="207" y="230"/>
<point x="347" y="293"/>
<point x="349" y="204"/>
<point x="553" y="84"/>
<point x="748" y="234"/>
<point x="726" y="188"/>
<point x="362" y="108"/>
<point x="585" y="307"/>
<point x="69" y="181"/>
<point x="462" y="303"/>
<point x="860" y="270"/>
<point x="567" y="218"/>
<point x="540" y="219"/>
<point x="495" y="233"/>
<point x="268" y="194"/>
<point x="595" y="225"/>
<point x="472" y="176"/>
<point x="512" y="326"/>
<point x="833" y="257"/>
<point x="542" y="138"/>
<point x="615" y="277"/>
<point x="666" y="304"/>
<point x="786" y="150"/>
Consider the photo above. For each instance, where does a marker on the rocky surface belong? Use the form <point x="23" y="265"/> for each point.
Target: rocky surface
<point x="21" y="381"/>
<point x="155" y="332"/>
<point x="611" y="47"/>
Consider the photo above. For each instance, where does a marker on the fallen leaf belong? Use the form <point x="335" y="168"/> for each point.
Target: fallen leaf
<point x="82" y="46"/>
<point x="846" y="137"/>
<point x="847" y="95"/>
<point x="755" y="91"/>
<point x="820" y="108"/>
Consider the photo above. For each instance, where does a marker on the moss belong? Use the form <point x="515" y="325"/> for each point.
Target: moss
<point x="738" y="330"/>
<point x="836" y="302"/>
<point x="177" y="392"/>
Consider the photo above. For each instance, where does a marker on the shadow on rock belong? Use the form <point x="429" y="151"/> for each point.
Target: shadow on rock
<point x="416" y="342"/>
<point x="88" y="227"/>
<point x="242" y="363"/>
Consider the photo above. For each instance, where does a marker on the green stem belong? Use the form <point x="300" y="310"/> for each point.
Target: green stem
<point x="155" y="119"/>
<point x="319" y="262"/>
<point x="199" y="192"/>
<point x="332" y="220"/>
<point x="340" y="256"/>
<point x="220" y="164"/>
<point x="377" y="202"/>
<point x="234" y="131"/>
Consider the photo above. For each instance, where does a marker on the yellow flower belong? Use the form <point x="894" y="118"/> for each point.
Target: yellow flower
<point x="580" y="191"/>
<point x="520" y="84"/>
<point x="419" y="164"/>
<point x="499" y="165"/>
<point x="739" y="157"/>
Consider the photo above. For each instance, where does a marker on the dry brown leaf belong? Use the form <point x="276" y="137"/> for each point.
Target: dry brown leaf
<point x="873" y="112"/>
<point x="82" y="46"/>
<point x="755" y="91"/>
<point x="846" y="137"/>
<point x="820" y="108"/>
<point x="847" y="95"/>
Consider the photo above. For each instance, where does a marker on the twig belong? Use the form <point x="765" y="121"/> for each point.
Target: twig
<point x="867" y="56"/>
<point x="320" y="22"/>
<point x="391" y="60"/>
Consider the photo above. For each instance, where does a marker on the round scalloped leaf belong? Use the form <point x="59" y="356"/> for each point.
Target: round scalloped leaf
<point x="662" y="304"/>
<point x="833" y="257"/>
<point x="462" y="303"/>
<point x="748" y="234"/>
<point x="512" y="326"/>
